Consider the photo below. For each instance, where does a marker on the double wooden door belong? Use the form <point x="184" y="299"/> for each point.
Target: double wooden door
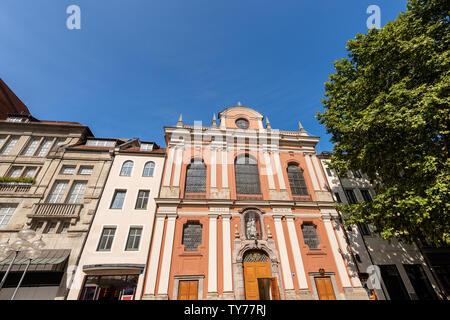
<point x="259" y="284"/>
<point x="325" y="288"/>
<point x="188" y="290"/>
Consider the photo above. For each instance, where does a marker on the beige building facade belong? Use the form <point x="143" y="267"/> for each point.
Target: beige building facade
<point x="115" y="254"/>
<point x="52" y="175"/>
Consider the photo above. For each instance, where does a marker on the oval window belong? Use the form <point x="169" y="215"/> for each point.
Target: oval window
<point x="242" y="123"/>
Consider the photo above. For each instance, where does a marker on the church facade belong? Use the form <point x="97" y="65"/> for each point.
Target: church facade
<point x="244" y="212"/>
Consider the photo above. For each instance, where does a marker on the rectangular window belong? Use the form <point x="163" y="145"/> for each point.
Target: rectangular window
<point x="420" y="282"/>
<point x="310" y="235"/>
<point x="29" y="172"/>
<point x="142" y="199"/>
<point x="7" y="148"/>
<point x="60" y="141"/>
<point x="37" y="226"/>
<point x="6" y="212"/>
<point x="64" y="227"/>
<point x="146" y="146"/>
<point x="57" y="193"/>
<point x="106" y="239"/>
<point x="100" y="143"/>
<point x="76" y="192"/>
<point x="85" y="170"/>
<point x="118" y="199"/>
<point x="365" y="231"/>
<point x="351" y="196"/>
<point x="366" y="195"/>
<point x="393" y="282"/>
<point x="338" y="197"/>
<point x="329" y="172"/>
<point x="67" y="170"/>
<point x="357" y="174"/>
<point x="44" y="147"/>
<point x="15" y="172"/>
<point x="31" y="147"/>
<point x="51" y="227"/>
<point x="134" y="238"/>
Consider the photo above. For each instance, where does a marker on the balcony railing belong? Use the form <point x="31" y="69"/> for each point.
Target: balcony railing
<point x="50" y="210"/>
<point x="14" y="187"/>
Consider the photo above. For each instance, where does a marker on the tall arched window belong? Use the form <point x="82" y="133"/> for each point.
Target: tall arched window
<point x="247" y="176"/>
<point x="127" y="167"/>
<point x="196" y="177"/>
<point x="296" y="181"/>
<point x="149" y="167"/>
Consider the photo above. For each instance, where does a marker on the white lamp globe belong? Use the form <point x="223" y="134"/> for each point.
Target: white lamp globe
<point x="26" y="234"/>
<point x="38" y="244"/>
<point x="32" y="253"/>
<point x="20" y="245"/>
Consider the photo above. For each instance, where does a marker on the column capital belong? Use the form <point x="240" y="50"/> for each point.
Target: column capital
<point x="226" y="216"/>
<point x="277" y="216"/>
<point x="289" y="217"/>
<point x="213" y="215"/>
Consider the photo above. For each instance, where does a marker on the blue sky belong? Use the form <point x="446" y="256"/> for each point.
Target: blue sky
<point x="135" y="65"/>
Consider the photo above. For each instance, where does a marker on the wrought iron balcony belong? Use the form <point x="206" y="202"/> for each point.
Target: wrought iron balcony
<point x="56" y="210"/>
<point x="14" y="187"/>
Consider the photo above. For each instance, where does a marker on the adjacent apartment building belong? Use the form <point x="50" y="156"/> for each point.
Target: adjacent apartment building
<point x="403" y="271"/>
<point x="52" y="174"/>
<point x="115" y="255"/>
<point x="244" y="212"/>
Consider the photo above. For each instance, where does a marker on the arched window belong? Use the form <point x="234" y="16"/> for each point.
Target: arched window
<point x="196" y="177"/>
<point x="296" y="181"/>
<point x="149" y="167"/>
<point x="127" y="167"/>
<point x="247" y="176"/>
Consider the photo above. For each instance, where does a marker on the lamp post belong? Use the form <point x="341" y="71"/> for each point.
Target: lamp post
<point x="31" y="254"/>
<point x="32" y="251"/>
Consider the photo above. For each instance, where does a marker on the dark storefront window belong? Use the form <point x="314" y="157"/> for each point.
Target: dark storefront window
<point x="33" y="279"/>
<point x="109" y="287"/>
<point x="393" y="282"/>
<point x="443" y="273"/>
<point x="420" y="282"/>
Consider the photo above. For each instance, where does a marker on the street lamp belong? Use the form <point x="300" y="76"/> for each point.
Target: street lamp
<point x="31" y="254"/>
<point x="32" y="251"/>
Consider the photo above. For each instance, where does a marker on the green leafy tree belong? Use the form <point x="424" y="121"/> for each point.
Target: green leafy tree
<point x="387" y="109"/>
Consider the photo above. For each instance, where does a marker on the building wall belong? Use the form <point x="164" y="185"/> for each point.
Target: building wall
<point x="122" y="219"/>
<point x="217" y="264"/>
<point x="35" y="195"/>
<point x="372" y="249"/>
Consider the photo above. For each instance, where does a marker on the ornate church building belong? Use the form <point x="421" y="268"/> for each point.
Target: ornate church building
<point x="245" y="212"/>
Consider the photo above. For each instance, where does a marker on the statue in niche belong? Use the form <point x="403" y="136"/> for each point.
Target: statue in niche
<point x="252" y="231"/>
